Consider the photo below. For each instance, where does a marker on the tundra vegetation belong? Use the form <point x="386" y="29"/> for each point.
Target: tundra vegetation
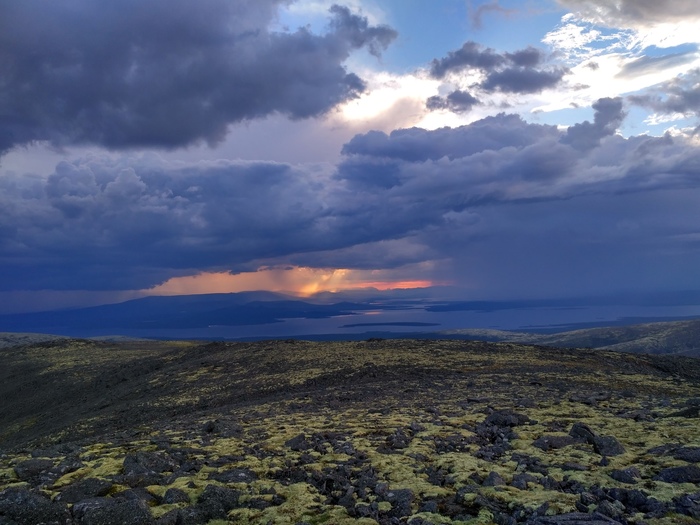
<point x="390" y="432"/>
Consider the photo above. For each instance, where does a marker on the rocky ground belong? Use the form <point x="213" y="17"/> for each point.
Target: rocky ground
<point x="388" y="432"/>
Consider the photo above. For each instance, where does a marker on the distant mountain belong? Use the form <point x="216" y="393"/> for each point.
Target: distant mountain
<point x="174" y="313"/>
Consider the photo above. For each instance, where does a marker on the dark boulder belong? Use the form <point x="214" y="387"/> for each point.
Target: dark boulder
<point x="582" y="432"/>
<point x="574" y="518"/>
<point x="689" y="454"/>
<point x="111" y="511"/>
<point x="174" y="495"/>
<point x="145" y="468"/>
<point x="84" y="489"/>
<point x="31" y="469"/>
<point x="494" y="479"/>
<point x="237" y="475"/>
<point x="506" y="418"/>
<point x="22" y="507"/>
<point x="400" y="502"/>
<point x="215" y="502"/>
<point x="607" y="446"/>
<point x="687" y="474"/>
<point x="628" y="475"/>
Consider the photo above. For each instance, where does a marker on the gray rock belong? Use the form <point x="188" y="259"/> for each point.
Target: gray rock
<point x="22" y="507"/>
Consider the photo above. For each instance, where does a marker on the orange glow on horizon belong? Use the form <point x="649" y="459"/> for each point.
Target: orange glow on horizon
<point x="300" y="281"/>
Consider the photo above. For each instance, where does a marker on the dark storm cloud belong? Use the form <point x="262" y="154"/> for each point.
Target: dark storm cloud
<point x="497" y="192"/>
<point x="680" y="95"/>
<point x="523" y="80"/>
<point x="517" y="72"/>
<point x="458" y="101"/>
<point x="470" y="55"/>
<point x="165" y="73"/>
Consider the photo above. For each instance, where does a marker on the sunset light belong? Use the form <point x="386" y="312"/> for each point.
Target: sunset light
<point x="300" y="281"/>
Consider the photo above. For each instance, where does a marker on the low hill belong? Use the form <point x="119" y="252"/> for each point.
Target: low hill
<point x="369" y="432"/>
<point x="670" y="337"/>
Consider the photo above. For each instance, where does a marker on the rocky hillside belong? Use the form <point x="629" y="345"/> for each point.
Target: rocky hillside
<point x="388" y="432"/>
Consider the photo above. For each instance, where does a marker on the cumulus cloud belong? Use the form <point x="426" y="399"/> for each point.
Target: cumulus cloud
<point x="478" y="195"/>
<point x="166" y="73"/>
<point x="607" y="118"/>
<point x="517" y="72"/>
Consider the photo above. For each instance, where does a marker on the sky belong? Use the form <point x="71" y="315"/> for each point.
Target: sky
<point x="503" y="149"/>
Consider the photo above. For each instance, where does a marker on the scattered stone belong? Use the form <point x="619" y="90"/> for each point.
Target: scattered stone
<point x="688" y="474"/>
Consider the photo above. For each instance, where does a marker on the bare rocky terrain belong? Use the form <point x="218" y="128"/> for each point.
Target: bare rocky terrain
<point x="389" y="432"/>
